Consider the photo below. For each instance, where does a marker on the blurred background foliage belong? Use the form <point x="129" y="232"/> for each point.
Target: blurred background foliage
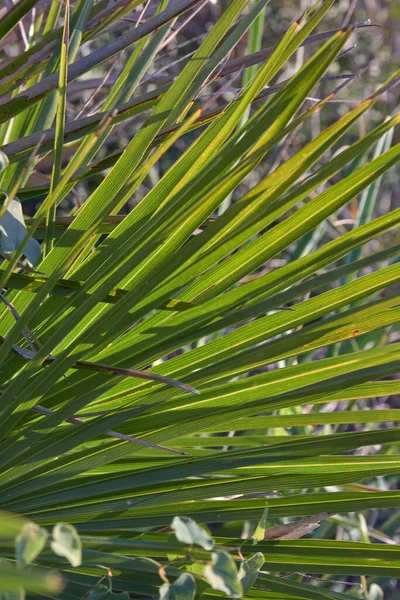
<point x="373" y="51"/>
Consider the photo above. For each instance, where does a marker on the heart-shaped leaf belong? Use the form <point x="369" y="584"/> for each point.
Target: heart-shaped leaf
<point x="188" y="532"/>
<point x="375" y="592"/>
<point x="223" y="575"/>
<point x="66" y="542"/>
<point x="184" y="588"/>
<point x="249" y="570"/>
<point x="13" y="231"/>
<point x="29" y="543"/>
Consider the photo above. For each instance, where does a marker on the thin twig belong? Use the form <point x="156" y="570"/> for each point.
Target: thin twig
<point x="96" y="91"/>
<point x="143" y="12"/>
<point x="182" y="25"/>
<point x="321" y="579"/>
<point x="26" y="332"/>
<point x="100" y="55"/>
<point x="110" y="433"/>
<point x="95" y="366"/>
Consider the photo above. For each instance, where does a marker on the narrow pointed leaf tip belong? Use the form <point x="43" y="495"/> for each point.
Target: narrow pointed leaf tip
<point x="13" y="231"/>
<point x="184" y="588"/>
<point x="258" y="535"/>
<point x="188" y="532"/>
<point x="67" y="543"/>
<point x="222" y="574"/>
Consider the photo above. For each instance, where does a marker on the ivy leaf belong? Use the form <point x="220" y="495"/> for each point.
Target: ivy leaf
<point x="13" y="231"/>
<point x="184" y="588"/>
<point x="29" y="543"/>
<point x="249" y="570"/>
<point x="66" y="542"/>
<point x="258" y="535"/>
<point x="223" y="575"/>
<point x="188" y="532"/>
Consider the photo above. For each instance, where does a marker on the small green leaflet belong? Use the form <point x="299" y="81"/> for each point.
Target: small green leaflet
<point x="4" y="162"/>
<point x="222" y="574"/>
<point x="188" y="532"/>
<point x="13" y="231"/>
<point x="66" y="542"/>
<point x="184" y="588"/>
<point x="29" y="543"/>
<point x="249" y="570"/>
<point x="375" y="592"/>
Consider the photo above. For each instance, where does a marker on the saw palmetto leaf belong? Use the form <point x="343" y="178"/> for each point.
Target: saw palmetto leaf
<point x="171" y="365"/>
